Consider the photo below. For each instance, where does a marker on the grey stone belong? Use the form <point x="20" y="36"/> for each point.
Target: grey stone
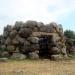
<point x="8" y="41"/>
<point x="33" y="40"/>
<point x="35" y="47"/>
<point x="10" y="48"/>
<point x="4" y="59"/>
<point x="18" y="25"/>
<point x="55" y="50"/>
<point x="30" y="24"/>
<point x="13" y="33"/>
<point x="5" y="54"/>
<point x="33" y="55"/>
<point x="25" y="32"/>
<point x="18" y="56"/>
<point x="56" y="57"/>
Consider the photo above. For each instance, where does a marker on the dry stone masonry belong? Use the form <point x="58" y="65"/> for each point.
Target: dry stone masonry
<point x="33" y="40"/>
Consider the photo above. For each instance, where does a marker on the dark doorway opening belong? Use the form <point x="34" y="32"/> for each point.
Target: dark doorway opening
<point x="45" y="43"/>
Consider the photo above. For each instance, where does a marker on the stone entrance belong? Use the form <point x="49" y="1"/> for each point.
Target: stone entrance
<point x="45" y="45"/>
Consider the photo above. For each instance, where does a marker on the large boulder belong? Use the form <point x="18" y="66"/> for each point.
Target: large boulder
<point x="26" y="47"/>
<point x="48" y="28"/>
<point x="21" y="40"/>
<point x="18" y="25"/>
<point x="8" y="41"/>
<point x="25" y="32"/>
<point x="33" y="55"/>
<point x="3" y="48"/>
<point x="7" y="30"/>
<point x="15" y="41"/>
<point x="18" y="40"/>
<point x="3" y="59"/>
<point x="2" y="40"/>
<point x="18" y="56"/>
<point x="40" y="24"/>
<point x="60" y="28"/>
<point x="35" y="47"/>
<point x="10" y="48"/>
<point x="55" y="50"/>
<point x="54" y="27"/>
<point x="57" y="57"/>
<point x="13" y="33"/>
<point x="30" y="24"/>
<point x="55" y="37"/>
<point x="35" y="29"/>
<point x="5" y="54"/>
<point x="43" y="29"/>
<point x="5" y="34"/>
<point x="72" y="50"/>
<point x="56" y="40"/>
<point x="63" y="50"/>
<point x="33" y="40"/>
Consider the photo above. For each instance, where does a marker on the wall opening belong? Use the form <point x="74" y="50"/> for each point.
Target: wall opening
<point x="45" y="44"/>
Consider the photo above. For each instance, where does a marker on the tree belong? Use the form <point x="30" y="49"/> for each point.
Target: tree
<point x="69" y="34"/>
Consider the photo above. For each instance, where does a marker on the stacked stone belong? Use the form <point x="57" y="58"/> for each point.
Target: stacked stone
<point x="57" y="46"/>
<point x="70" y="43"/>
<point x="18" y="42"/>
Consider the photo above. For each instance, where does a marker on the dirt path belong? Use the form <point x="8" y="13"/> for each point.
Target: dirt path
<point x="45" y="67"/>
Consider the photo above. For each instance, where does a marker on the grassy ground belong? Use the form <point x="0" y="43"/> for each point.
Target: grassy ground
<point x="38" y="67"/>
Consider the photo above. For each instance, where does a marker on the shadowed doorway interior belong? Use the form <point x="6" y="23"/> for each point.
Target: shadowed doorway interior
<point x="45" y="43"/>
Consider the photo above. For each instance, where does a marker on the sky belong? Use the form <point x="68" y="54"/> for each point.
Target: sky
<point x="59" y="11"/>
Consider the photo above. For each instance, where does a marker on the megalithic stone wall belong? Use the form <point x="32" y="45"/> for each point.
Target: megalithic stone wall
<point x="18" y="41"/>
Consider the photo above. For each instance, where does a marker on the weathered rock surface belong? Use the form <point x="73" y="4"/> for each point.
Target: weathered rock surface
<point x="33" y="55"/>
<point x="18" y="56"/>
